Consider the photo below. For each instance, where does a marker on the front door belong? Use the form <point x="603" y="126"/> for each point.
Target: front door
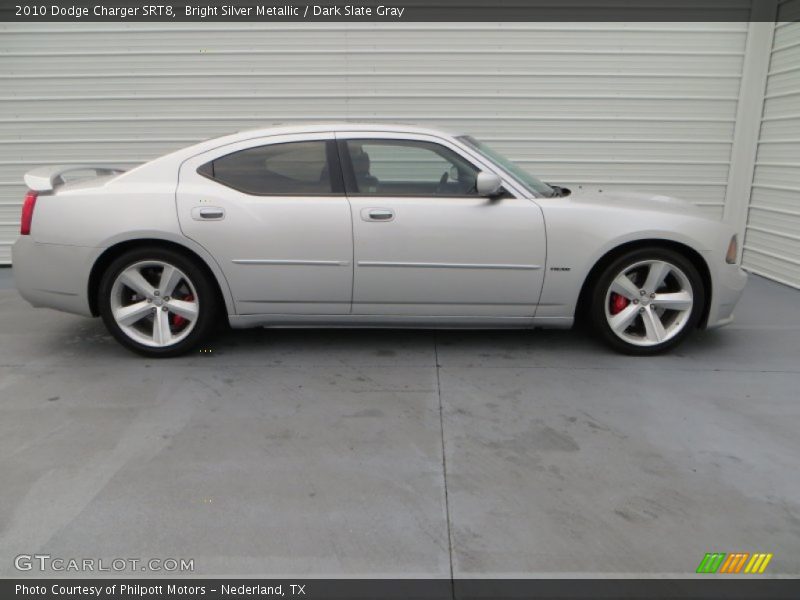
<point x="274" y="215"/>
<point x="425" y="244"/>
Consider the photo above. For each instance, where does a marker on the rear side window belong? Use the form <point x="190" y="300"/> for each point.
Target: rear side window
<point x="294" y="168"/>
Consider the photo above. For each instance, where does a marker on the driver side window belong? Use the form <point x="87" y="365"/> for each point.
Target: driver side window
<point x="407" y="168"/>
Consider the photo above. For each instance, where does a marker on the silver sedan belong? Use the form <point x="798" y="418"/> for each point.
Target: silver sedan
<point x="364" y="225"/>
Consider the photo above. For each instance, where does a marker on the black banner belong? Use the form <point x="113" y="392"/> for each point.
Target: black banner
<point x="400" y="589"/>
<point x="393" y="11"/>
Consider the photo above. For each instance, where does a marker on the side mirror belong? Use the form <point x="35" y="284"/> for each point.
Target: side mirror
<point x="488" y="184"/>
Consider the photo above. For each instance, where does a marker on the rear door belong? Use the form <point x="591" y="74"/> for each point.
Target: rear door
<point x="273" y="214"/>
<point x="425" y="244"/>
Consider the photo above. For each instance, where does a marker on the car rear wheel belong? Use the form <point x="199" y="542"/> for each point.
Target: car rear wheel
<point x="647" y="301"/>
<point x="157" y="302"/>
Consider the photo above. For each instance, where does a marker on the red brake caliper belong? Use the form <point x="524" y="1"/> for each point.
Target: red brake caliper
<point x="177" y="320"/>
<point x="618" y="303"/>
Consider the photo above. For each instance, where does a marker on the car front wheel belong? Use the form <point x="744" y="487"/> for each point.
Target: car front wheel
<point x="647" y="301"/>
<point x="157" y="302"/>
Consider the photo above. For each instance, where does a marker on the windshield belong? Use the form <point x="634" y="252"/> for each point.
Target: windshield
<point x="529" y="181"/>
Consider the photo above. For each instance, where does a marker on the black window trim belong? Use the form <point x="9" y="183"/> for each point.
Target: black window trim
<point x="331" y="156"/>
<point x="351" y="186"/>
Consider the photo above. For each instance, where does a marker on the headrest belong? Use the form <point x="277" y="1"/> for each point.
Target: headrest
<point x="360" y="161"/>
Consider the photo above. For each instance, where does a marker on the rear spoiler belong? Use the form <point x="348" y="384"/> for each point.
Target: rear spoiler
<point x="45" y="179"/>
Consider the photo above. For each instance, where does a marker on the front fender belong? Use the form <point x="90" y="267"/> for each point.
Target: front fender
<point x="579" y="237"/>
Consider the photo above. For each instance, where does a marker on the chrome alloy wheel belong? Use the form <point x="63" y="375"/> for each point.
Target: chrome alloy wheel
<point x="154" y="303"/>
<point x="649" y="302"/>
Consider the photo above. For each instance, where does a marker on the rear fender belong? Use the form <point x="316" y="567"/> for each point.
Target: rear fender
<point x="134" y="238"/>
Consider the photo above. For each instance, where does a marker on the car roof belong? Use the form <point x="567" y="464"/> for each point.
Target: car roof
<point x="285" y="128"/>
<point x="323" y="127"/>
<point x="178" y="156"/>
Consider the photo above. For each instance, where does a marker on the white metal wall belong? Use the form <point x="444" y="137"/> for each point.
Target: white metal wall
<point x="647" y="106"/>
<point x="772" y="239"/>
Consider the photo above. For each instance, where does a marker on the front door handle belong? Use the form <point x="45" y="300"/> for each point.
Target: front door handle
<point x="377" y="214"/>
<point x="208" y="213"/>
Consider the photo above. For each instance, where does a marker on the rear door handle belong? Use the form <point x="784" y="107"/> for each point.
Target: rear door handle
<point x="208" y="213"/>
<point x="377" y="214"/>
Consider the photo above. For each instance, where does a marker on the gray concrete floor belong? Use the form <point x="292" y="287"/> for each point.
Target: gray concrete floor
<point x="399" y="453"/>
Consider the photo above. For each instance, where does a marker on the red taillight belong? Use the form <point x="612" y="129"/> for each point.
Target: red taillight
<point x="27" y="212"/>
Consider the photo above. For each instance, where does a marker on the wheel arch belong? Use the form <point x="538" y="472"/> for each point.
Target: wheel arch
<point x="117" y="249"/>
<point x="685" y="250"/>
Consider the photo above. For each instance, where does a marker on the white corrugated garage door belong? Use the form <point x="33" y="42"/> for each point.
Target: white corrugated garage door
<point x="636" y="105"/>
<point x="772" y="241"/>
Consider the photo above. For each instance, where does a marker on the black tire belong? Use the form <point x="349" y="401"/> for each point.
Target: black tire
<point x="207" y="300"/>
<point x="600" y="292"/>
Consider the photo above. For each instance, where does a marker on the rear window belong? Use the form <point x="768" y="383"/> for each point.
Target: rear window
<point x="294" y="168"/>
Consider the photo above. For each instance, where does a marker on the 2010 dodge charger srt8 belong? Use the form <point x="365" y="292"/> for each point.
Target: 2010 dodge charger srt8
<point x="364" y="225"/>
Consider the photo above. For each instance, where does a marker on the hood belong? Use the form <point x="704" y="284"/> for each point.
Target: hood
<point x="632" y="200"/>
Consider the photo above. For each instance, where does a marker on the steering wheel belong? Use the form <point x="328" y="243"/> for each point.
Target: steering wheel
<point x="442" y="182"/>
